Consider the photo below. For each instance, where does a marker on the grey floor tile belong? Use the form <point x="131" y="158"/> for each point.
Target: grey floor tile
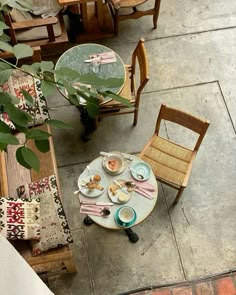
<point x="125" y="266"/>
<point x="80" y="282"/>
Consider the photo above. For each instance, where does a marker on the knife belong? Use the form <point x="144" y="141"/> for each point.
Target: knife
<point x="96" y="203"/>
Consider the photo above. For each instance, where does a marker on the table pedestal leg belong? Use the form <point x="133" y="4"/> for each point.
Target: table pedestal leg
<point x="133" y="237"/>
<point x="90" y="124"/>
<point x="88" y="220"/>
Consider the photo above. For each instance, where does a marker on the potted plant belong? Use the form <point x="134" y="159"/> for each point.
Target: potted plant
<point x="45" y="73"/>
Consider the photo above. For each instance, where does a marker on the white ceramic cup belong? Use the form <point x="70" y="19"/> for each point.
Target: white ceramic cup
<point x="126" y="215"/>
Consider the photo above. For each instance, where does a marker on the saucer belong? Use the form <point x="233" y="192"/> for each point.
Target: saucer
<point x="129" y="224"/>
<point x="141" y="168"/>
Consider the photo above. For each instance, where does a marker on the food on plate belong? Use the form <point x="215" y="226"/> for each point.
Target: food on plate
<point x="97" y="178"/>
<point x="122" y="197"/>
<point x="114" y="165"/>
<point x="92" y="185"/>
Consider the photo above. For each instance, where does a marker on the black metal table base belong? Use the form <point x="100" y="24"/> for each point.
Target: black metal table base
<point x="88" y="220"/>
<point x="89" y="123"/>
<point x="133" y="237"/>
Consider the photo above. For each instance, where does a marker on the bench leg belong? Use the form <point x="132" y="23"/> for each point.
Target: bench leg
<point x="70" y="266"/>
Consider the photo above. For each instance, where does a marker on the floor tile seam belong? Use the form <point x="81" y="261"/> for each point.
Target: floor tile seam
<point x="181" y="87"/>
<point x="173" y="235"/>
<point x="89" y="161"/>
<point x="227" y="109"/>
<point x="87" y="258"/>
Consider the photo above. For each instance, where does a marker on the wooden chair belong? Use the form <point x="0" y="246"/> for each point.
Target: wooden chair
<point x="172" y="163"/>
<point x="119" y="5"/>
<point x="34" y="30"/>
<point x="129" y="91"/>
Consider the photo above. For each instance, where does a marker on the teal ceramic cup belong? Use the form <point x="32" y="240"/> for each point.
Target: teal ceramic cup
<point x="126" y="216"/>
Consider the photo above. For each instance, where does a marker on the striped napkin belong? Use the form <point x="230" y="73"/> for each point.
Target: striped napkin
<point x="106" y="57"/>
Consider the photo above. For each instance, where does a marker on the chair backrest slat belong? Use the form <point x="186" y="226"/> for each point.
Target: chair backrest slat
<point x="189" y="121"/>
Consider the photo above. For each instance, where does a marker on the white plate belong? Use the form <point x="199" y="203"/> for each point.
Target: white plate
<point x="85" y="178"/>
<point x="114" y="198"/>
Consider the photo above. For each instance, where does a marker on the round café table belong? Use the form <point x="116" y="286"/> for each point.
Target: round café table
<point x="75" y="58"/>
<point x="142" y="205"/>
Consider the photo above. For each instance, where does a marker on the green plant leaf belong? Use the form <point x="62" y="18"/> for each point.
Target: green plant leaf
<point x="5" y="98"/>
<point x="21" y="129"/>
<point x="92" y="109"/>
<point x="58" y="124"/>
<point x="68" y="74"/>
<point x="28" y="97"/>
<point x="8" y="139"/>
<point x="18" y="116"/>
<point x="74" y="100"/>
<point x="47" y="88"/>
<point x="116" y="97"/>
<point x="22" y="50"/>
<point x="6" y="71"/>
<point x="46" y="66"/>
<point x="3" y="26"/>
<point x="4" y="128"/>
<point x="20" y="158"/>
<point x="3" y="146"/>
<point x="42" y="145"/>
<point x="37" y="134"/>
<point x="5" y="46"/>
<point x="34" y="68"/>
<point x="30" y="158"/>
<point x="27" y="158"/>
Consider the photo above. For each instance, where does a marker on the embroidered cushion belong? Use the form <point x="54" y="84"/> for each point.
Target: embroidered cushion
<point x="20" y="219"/>
<point x="55" y="231"/>
<point x="19" y="80"/>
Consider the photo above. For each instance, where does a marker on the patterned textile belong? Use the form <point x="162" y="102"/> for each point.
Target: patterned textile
<point x="19" y="80"/>
<point x="55" y="231"/>
<point x="20" y="219"/>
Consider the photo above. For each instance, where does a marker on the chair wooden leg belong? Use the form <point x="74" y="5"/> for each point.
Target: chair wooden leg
<point x="179" y="195"/>
<point x="156" y="13"/>
<point x="116" y="23"/>
<point x="135" y="117"/>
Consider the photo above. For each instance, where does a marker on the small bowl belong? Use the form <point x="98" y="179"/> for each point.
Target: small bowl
<point x="113" y="164"/>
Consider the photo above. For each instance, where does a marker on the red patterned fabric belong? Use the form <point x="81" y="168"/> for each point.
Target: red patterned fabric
<point x="55" y="230"/>
<point x="20" y="219"/>
<point x="19" y="81"/>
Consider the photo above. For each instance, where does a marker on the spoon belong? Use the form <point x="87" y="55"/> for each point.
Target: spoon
<point x="104" y="212"/>
<point x="139" y="176"/>
<point x="134" y="185"/>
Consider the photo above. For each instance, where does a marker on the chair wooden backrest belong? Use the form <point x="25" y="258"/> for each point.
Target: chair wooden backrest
<point x="19" y="30"/>
<point x="139" y="55"/>
<point x="184" y="119"/>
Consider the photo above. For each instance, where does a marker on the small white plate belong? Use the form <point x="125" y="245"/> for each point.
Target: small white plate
<point x="115" y="198"/>
<point x="85" y="178"/>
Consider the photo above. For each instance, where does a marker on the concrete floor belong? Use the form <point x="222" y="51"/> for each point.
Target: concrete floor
<point x="193" y="67"/>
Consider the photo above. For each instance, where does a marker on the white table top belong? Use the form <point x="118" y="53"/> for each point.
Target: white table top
<point x="142" y="205"/>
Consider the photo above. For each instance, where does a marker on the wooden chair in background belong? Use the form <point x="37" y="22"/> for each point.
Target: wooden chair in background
<point x="129" y="91"/>
<point x="118" y="6"/>
<point x="34" y="30"/>
<point x="172" y="163"/>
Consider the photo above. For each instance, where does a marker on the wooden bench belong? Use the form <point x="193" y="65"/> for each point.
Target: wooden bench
<point x="13" y="175"/>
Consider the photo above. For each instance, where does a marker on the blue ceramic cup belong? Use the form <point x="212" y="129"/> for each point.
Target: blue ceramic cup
<point x="126" y="216"/>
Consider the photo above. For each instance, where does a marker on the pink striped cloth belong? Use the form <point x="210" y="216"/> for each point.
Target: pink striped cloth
<point x="105" y="57"/>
